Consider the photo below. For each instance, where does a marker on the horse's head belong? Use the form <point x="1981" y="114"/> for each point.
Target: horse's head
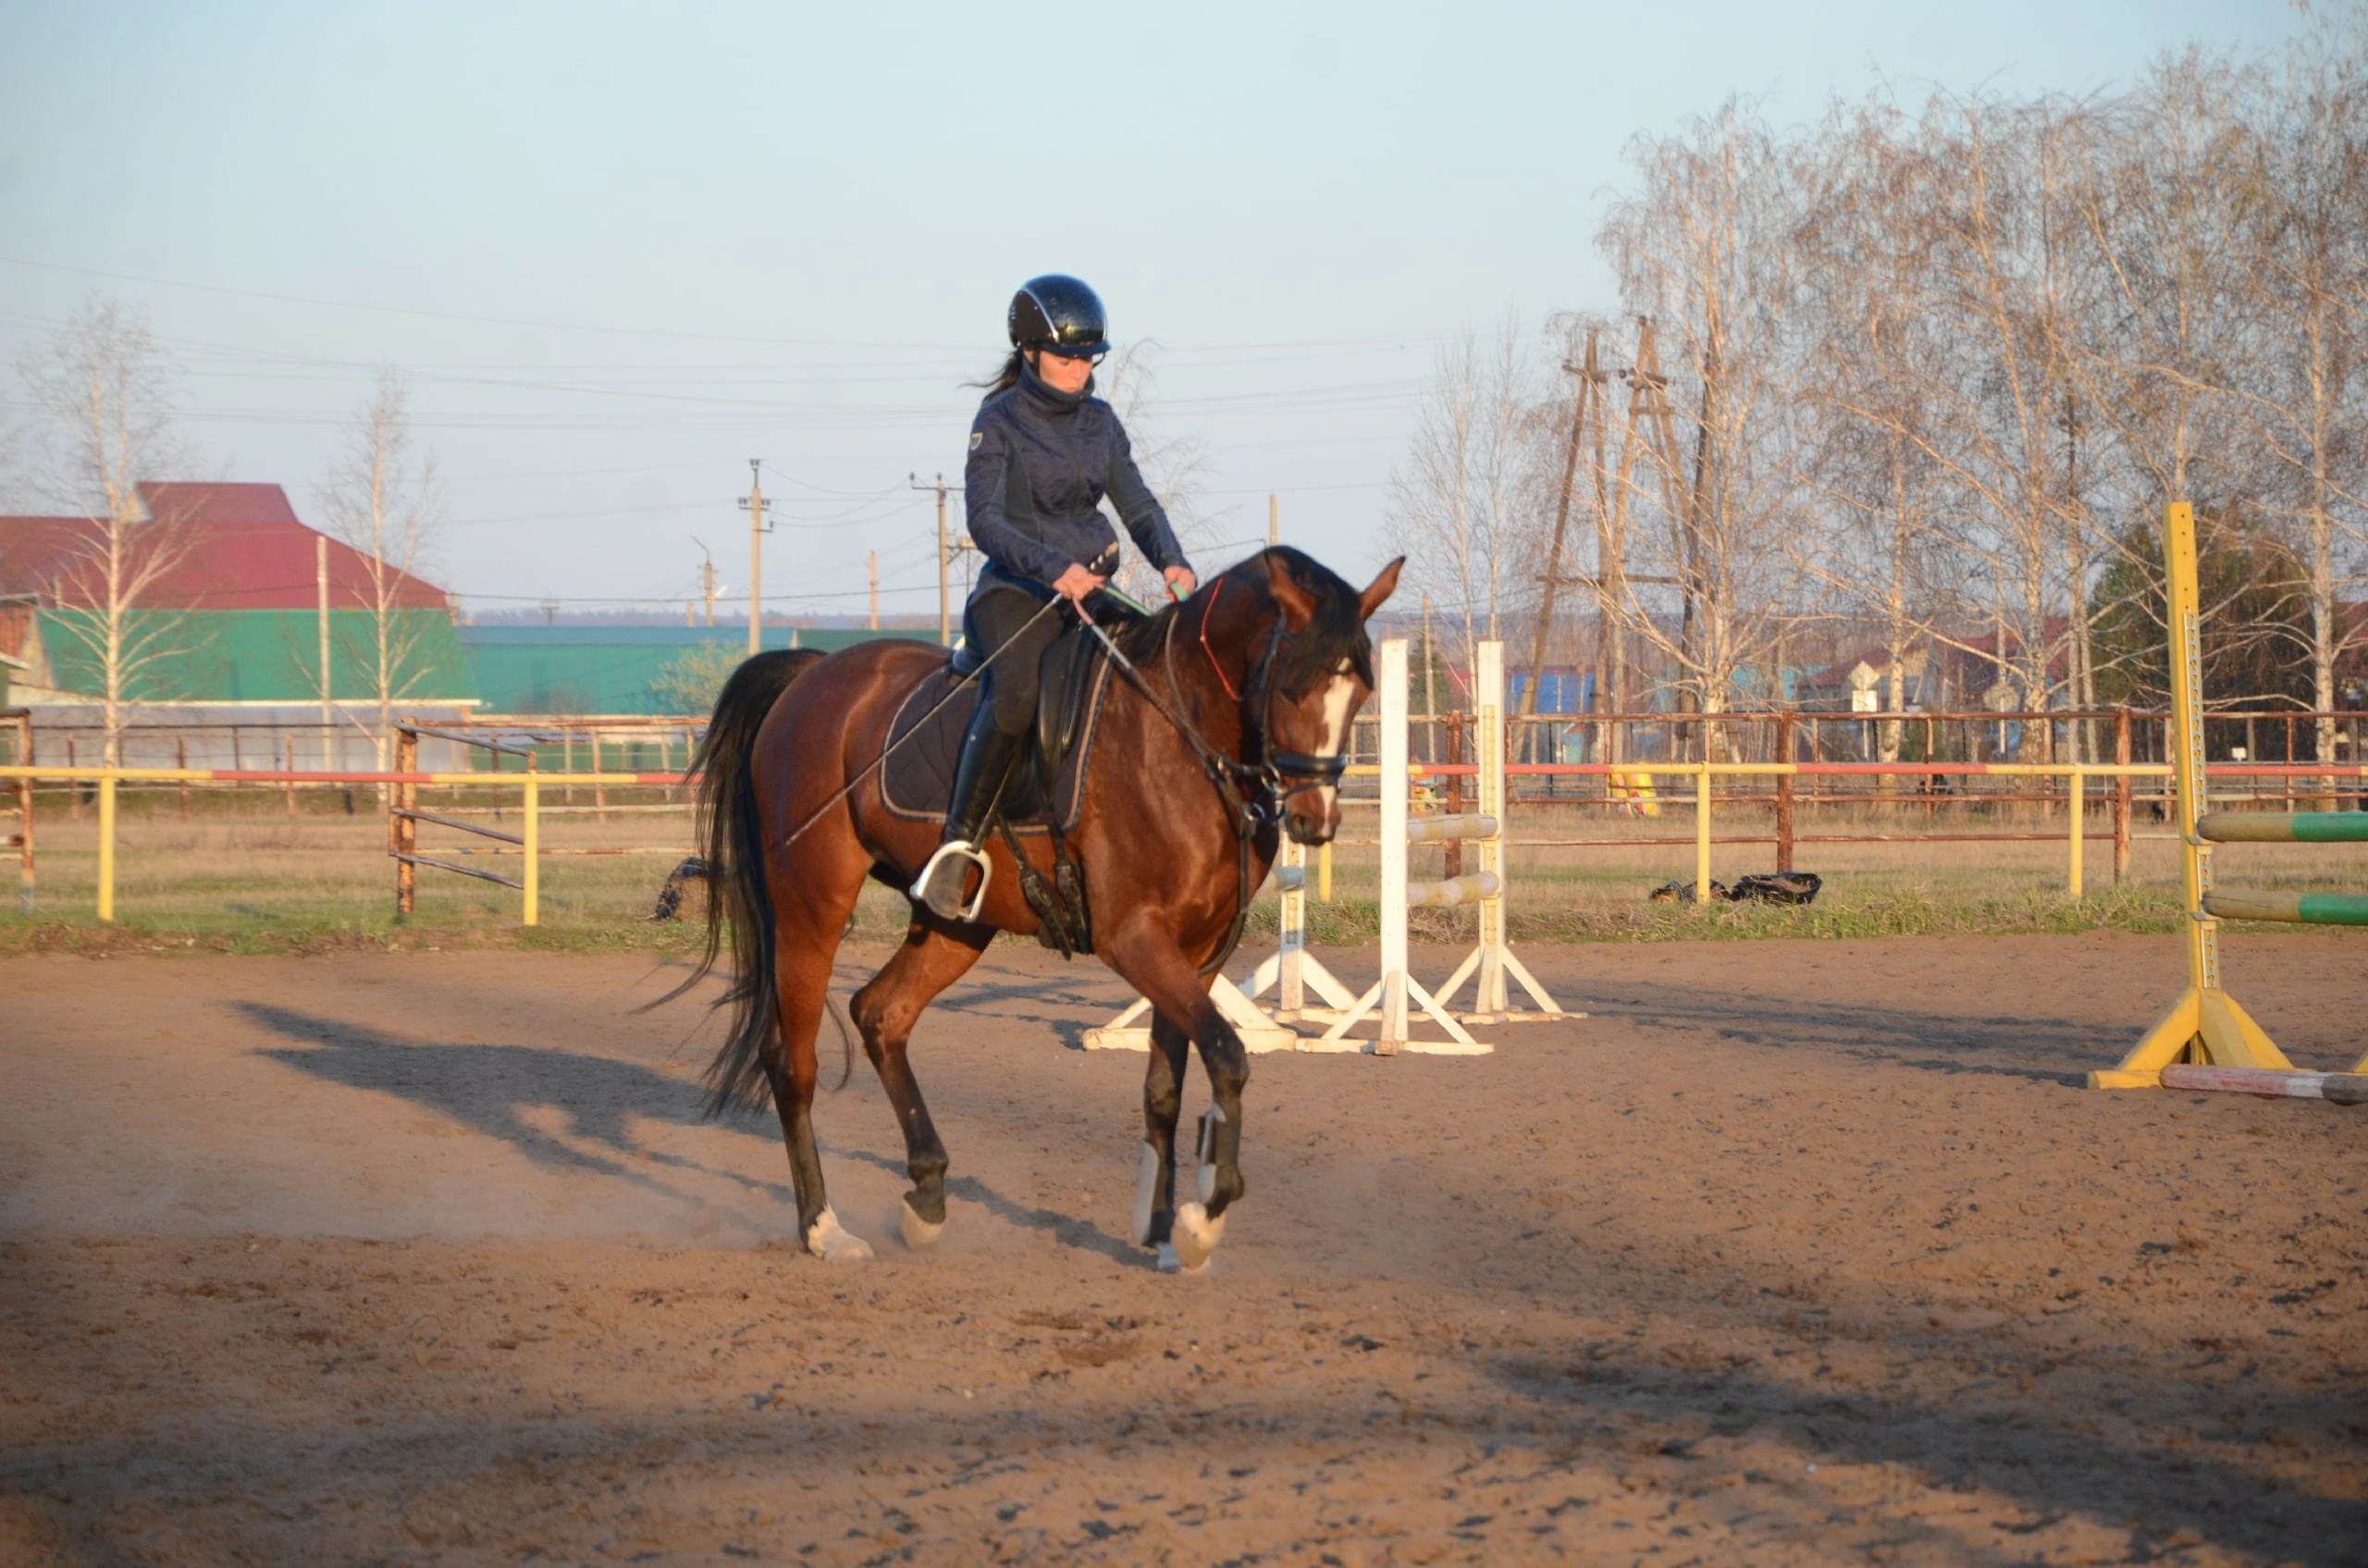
<point x="1307" y="689"/>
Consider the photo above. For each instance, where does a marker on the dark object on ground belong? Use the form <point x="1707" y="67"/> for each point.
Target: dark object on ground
<point x="1683" y="892"/>
<point x="693" y="870"/>
<point x="1783" y="887"/>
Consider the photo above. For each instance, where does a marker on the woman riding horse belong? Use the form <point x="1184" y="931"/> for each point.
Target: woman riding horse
<point x="1044" y="452"/>
<point x="1224" y="725"/>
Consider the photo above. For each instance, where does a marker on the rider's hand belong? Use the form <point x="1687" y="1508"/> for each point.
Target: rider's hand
<point x="1076" y="583"/>
<point x="1180" y="581"/>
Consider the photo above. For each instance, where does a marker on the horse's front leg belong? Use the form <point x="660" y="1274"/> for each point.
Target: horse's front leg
<point x="1155" y="1214"/>
<point x="1150" y="961"/>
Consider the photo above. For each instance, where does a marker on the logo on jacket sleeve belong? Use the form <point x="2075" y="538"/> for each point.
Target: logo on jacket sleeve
<point x="977" y="437"/>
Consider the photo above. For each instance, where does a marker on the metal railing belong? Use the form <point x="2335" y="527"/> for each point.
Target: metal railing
<point x="530" y="784"/>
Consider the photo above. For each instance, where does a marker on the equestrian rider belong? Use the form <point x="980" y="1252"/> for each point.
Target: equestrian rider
<point x="1044" y="452"/>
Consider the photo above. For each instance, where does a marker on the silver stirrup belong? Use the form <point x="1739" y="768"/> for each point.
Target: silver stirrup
<point x="918" y="892"/>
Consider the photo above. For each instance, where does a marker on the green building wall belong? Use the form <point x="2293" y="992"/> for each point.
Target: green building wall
<point x="259" y="655"/>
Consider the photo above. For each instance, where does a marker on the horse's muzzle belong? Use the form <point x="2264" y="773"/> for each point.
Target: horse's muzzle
<point x="1312" y="815"/>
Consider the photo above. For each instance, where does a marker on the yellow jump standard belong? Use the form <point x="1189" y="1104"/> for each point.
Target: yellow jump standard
<point x="2205" y="1028"/>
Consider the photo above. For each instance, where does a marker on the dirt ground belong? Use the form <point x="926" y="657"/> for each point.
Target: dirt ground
<point x="1789" y="1252"/>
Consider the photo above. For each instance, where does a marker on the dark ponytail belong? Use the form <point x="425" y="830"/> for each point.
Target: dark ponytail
<point x="1005" y="377"/>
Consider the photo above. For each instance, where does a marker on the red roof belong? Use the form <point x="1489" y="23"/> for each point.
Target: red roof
<point x="245" y="550"/>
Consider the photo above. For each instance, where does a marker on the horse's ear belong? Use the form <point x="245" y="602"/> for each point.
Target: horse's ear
<point x="1298" y="605"/>
<point x="1378" y="592"/>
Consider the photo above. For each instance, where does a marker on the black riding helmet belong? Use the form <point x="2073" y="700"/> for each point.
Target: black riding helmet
<point x="1058" y="314"/>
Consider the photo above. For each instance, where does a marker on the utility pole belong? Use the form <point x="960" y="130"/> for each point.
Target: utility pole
<point x="871" y="564"/>
<point x="1562" y="519"/>
<point x="944" y="557"/>
<point x="707" y="580"/>
<point x="1645" y="381"/>
<point x="753" y="503"/>
<point x="1274" y="521"/>
<point x="321" y="578"/>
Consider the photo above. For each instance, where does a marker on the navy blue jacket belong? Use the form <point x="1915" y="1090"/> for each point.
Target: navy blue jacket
<point x="1041" y="461"/>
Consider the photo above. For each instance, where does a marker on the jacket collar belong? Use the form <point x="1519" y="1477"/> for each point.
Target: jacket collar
<point x="1044" y="396"/>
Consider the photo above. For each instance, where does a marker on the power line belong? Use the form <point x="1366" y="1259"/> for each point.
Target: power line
<point x="1374" y="342"/>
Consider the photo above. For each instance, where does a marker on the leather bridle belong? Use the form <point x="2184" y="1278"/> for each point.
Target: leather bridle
<point x="1274" y="773"/>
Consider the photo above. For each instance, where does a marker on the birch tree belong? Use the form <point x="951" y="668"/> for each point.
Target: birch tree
<point x="1438" y="515"/>
<point x="381" y="499"/>
<point x="1176" y="467"/>
<point x="1874" y="352"/>
<point x="2301" y="221"/>
<point x="105" y="389"/>
<point x="1704" y="258"/>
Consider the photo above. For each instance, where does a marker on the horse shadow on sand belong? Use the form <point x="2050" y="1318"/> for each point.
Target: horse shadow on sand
<point x="488" y="1088"/>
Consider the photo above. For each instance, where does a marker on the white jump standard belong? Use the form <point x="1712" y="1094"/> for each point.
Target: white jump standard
<point x="1491" y="960"/>
<point x="1395" y="1000"/>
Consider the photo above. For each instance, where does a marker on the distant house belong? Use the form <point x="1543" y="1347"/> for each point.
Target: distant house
<point x="1968" y="669"/>
<point x="234" y="618"/>
<point x="231" y="622"/>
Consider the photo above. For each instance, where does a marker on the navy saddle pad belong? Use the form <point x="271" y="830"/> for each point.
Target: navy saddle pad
<point x="917" y="781"/>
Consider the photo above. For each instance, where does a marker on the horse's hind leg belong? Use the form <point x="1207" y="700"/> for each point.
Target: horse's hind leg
<point x="933" y="957"/>
<point x="1155" y="1215"/>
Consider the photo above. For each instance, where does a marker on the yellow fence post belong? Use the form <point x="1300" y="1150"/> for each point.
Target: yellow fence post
<point x="2076" y="792"/>
<point x="1323" y="874"/>
<point x="1702" y="831"/>
<point x="106" y="844"/>
<point x="531" y="833"/>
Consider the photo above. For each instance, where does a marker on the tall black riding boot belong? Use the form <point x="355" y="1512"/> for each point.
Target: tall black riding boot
<point x="987" y="757"/>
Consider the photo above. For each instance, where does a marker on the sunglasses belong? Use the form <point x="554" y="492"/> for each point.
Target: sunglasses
<point x="1092" y="356"/>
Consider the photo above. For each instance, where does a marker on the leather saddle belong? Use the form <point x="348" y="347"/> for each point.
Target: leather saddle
<point x="916" y="782"/>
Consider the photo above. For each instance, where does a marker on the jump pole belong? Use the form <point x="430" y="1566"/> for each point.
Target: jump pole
<point x="2206" y="1028"/>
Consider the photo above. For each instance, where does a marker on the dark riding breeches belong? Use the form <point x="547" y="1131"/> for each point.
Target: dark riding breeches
<point x="993" y="619"/>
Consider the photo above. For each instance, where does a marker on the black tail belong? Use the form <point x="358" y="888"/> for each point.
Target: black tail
<point x="732" y="831"/>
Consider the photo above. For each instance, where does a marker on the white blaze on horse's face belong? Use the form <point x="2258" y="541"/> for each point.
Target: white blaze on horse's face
<point x="1316" y="807"/>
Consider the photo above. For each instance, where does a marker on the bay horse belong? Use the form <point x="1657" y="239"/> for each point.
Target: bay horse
<point x="1226" y="723"/>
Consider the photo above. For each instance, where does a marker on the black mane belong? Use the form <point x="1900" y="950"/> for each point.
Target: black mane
<point x="1336" y="632"/>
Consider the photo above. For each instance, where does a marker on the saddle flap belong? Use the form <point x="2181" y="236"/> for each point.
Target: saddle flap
<point x="1061" y="681"/>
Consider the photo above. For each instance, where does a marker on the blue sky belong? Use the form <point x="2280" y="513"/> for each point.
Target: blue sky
<point x="622" y="251"/>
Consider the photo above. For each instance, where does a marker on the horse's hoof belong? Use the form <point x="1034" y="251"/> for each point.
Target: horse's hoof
<point x="919" y="1234"/>
<point x="1196" y="1236"/>
<point x="1171" y="1264"/>
<point x="826" y="1239"/>
<point x="1146" y="1188"/>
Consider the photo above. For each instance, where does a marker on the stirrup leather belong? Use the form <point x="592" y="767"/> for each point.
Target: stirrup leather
<point x="918" y="892"/>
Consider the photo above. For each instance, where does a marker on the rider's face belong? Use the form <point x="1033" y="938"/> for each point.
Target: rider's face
<point x="1062" y="373"/>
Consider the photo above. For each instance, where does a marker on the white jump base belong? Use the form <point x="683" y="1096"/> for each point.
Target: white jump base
<point x="1395" y="1000"/>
